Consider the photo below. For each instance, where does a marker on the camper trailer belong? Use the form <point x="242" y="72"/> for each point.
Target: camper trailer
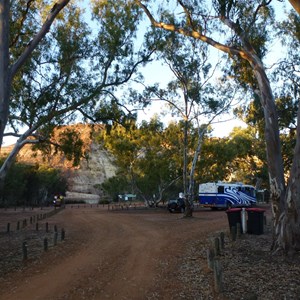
<point x="226" y="195"/>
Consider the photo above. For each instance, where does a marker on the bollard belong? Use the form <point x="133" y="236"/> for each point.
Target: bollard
<point x="218" y="276"/>
<point x="55" y="238"/>
<point x="55" y="228"/>
<point x="47" y="227"/>
<point x="210" y="258"/>
<point x="217" y="246"/>
<point x="8" y="228"/>
<point x="24" y="250"/>
<point x="37" y="226"/>
<point x="45" y="244"/>
<point x="18" y="225"/>
<point x="222" y="240"/>
<point x="62" y="234"/>
<point x="30" y="220"/>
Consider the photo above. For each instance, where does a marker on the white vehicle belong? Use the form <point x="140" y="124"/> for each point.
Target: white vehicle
<point x="226" y="195"/>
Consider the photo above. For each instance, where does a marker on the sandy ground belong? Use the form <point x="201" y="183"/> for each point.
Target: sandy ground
<point x="124" y="254"/>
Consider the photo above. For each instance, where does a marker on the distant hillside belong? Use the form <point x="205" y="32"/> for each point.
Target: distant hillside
<point x="82" y="179"/>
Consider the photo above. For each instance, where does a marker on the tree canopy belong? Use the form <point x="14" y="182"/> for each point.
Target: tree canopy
<point x="60" y="68"/>
<point x="55" y="67"/>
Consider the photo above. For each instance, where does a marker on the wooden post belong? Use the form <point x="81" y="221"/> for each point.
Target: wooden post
<point x="47" y="227"/>
<point x="8" y="228"/>
<point x="37" y="226"/>
<point x="218" y="276"/>
<point x="217" y="246"/>
<point x="55" y="238"/>
<point x="24" y="250"/>
<point x="45" y="244"/>
<point x="18" y="225"/>
<point x="210" y="258"/>
<point x="222" y="240"/>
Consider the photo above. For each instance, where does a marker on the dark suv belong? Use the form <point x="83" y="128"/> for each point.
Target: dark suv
<point x="177" y="205"/>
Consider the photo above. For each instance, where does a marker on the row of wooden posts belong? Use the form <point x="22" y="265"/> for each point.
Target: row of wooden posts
<point x="32" y="220"/>
<point x="35" y="220"/>
<point x="45" y="242"/>
<point x="214" y="252"/>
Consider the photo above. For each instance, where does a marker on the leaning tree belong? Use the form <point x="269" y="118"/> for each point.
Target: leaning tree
<point x="244" y="27"/>
<point x="53" y="72"/>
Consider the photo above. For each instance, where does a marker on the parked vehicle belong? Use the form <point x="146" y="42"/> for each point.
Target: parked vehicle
<point x="58" y="200"/>
<point x="226" y="195"/>
<point x="177" y="205"/>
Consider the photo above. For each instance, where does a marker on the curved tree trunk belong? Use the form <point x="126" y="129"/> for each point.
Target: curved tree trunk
<point x="285" y="202"/>
<point x="288" y="227"/>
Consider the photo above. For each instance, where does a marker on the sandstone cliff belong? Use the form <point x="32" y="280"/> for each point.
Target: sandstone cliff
<point x="84" y="180"/>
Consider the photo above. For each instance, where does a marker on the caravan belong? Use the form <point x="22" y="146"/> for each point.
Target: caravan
<point x="226" y="195"/>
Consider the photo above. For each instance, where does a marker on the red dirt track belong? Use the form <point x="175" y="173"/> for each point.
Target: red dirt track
<point x="125" y="254"/>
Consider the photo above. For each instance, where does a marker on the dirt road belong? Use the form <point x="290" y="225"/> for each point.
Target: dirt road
<point x="132" y="254"/>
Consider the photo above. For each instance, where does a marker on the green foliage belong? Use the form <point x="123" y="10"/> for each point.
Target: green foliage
<point x="32" y="185"/>
<point x="71" y="145"/>
<point x="75" y="69"/>
<point x="116" y="185"/>
<point x="149" y="158"/>
<point x="240" y="157"/>
<point x="287" y="107"/>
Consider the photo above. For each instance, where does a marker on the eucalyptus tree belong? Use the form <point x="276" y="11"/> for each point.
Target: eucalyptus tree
<point x="74" y="69"/>
<point x="20" y="35"/>
<point x="146" y="156"/>
<point x="191" y="95"/>
<point x="240" y="30"/>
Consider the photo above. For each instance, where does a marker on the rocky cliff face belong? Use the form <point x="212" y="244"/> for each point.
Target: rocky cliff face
<point x="91" y="173"/>
<point x="84" y="180"/>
